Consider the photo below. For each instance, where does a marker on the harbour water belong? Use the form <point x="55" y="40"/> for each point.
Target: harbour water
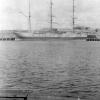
<point x="52" y="70"/>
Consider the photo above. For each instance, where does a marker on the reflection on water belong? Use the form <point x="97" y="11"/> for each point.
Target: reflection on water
<point x="64" y="69"/>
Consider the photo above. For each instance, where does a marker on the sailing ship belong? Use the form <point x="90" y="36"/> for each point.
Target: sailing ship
<point x="52" y="33"/>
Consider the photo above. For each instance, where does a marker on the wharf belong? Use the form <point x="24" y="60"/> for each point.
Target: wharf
<point x="7" y="39"/>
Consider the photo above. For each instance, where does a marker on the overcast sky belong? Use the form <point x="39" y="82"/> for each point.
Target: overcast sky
<point x="87" y="13"/>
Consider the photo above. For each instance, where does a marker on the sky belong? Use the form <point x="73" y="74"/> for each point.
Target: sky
<point x="13" y="13"/>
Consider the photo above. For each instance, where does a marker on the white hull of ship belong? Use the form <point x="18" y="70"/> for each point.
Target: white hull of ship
<point x="29" y="35"/>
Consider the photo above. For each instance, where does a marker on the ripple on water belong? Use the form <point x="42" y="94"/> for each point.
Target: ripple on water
<point x="66" y="69"/>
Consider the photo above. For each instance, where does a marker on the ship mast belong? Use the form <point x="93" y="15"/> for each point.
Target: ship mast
<point x="51" y="16"/>
<point x="73" y="16"/>
<point x="29" y="17"/>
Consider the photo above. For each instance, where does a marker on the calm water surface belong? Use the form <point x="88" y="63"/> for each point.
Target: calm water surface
<point x="64" y="69"/>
